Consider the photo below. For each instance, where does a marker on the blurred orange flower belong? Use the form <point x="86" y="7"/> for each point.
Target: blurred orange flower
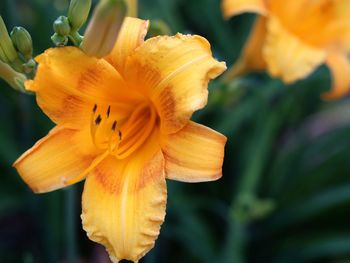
<point x="123" y="123"/>
<point x="292" y="38"/>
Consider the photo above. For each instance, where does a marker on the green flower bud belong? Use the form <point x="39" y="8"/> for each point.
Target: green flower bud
<point x="132" y="8"/>
<point x="3" y="57"/>
<point x="19" y="83"/>
<point x="78" y="12"/>
<point x="14" y="79"/>
<point x="103" y="29"/>
<point x="61" y="26"/>
<point x="22" y="41"/>
<point x="29" y="66"/>
<point x="59" y="40"/>
<point x="9" y="52"/>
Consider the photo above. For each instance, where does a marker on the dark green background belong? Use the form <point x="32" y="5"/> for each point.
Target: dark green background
<point x="285" y="191"/>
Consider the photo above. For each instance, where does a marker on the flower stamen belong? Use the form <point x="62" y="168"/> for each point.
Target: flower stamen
<point x="134" y="138"/>
<point x="100" y="158"/>
<point x="98" y="125"/>
<point x="105" y="133"/>
<point x="111" y="148"/>
<point x="93" y="127"/>
<point x="98" y="120"/>
<point x="114" y="125"/>
<point x="108" y="111"/>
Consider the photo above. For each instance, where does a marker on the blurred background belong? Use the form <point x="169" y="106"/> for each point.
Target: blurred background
<point x="285" y="191"/>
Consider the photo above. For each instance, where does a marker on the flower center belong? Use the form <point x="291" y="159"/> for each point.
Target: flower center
<point x="121" y="137"/>
<point x="118" y="136"/>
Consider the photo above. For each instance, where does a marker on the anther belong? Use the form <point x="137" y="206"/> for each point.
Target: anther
<point x="108" y="111"/>
<point x="94" y="109"/>
<point x="98" y="120"/>
<point x="120" y="135"/>
<point x="114" y="125"/>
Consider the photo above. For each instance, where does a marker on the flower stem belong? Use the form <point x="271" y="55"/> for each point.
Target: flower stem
<point x="71" y="238"/>
<point x="76" y="38"/>
<point x="246" y="206"/>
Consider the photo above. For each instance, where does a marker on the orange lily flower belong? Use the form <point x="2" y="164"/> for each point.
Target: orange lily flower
<point x="123" y="123"/>
<point x="292" y="38"/>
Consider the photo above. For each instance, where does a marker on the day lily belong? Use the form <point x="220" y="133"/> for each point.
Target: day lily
<point x="292" y="38"/>
<point x="123" y="124"/>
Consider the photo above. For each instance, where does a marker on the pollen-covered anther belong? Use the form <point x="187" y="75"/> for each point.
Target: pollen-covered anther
<point x="100" y="127"/>
<point x="114" y="141"/>
<point x="103" y="138"/>
<point x="114" y="125"/>
<point x="108" y="111"/>
<point x="98" y="120"/>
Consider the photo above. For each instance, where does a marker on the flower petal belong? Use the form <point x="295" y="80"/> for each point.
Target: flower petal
<point x="339" y="65"/>
<point x="58" y="157"/>
<point x="124" y="203"/>
<point x="340" y="29"/>
<point x="251" y="58"/>
<point x="287" y="56"/>
<point x="194" y="154"/>
<point x="235" y="7"/>
<point x="302" y="17"/>
<point x="174" y="73"/>
<point x="131" y="36"/>
<point x="68" y="84"/>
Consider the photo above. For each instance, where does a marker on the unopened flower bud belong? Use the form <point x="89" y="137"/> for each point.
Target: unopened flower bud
<point x="9" y="52"/>
<point x="3" y="56"/>
<point x="13" y="78"/>
<point x="29" y="66"/>
<point x="22" y="41"/>
<point x="61" y="26"/>
<point x="59" y="40"/>
<point x="78" y="12"/>
<point x="132" y="8"/>
<point x="104" y="27"/>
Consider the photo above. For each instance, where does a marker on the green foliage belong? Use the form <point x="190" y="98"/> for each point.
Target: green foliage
<point x="285" y="191"/>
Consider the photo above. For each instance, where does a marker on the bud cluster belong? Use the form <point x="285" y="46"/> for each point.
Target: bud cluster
<point x="66" y="27"/>
<point x="16" y="48"/>
<point x="16" y="56"/>
<point x="101" y="32"/>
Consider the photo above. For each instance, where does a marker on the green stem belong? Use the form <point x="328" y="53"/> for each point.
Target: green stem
<point x="71" y="212"/>
<point x="246" y="206"/>
<point x="235" y="245"/>
<point x="245" y="201"/>
<point x="260" y="150"/>
<point x="76" y="38"/>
